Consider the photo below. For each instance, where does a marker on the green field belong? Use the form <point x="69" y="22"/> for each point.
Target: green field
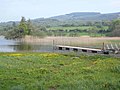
<point x="92" y="31"/>
<point x="51" y="71"/>
<point x="78" y="28"/>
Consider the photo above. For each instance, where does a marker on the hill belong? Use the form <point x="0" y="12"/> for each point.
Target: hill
<point x="76" y="18"/>
<point x="89" y="16"/>
<point x="71" y="18"/>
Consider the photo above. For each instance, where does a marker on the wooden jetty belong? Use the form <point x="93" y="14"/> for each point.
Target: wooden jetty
<point x="105" y="49"/>
<point x="80" y="49"/>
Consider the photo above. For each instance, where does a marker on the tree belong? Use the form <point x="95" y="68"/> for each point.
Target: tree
<point x="29" y="26"/>
<point x="23" y="29"/>
<point x="17" y="31"/>
<point x="14" y="24"/>
<point x="115" y="28"/>
<point x="115" y="24"/>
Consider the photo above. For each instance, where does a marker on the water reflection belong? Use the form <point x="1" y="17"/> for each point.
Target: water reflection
<point x="21" y="46"/>
<point x="46" y="45"/>
<point x="4" y="41"/>
<point x="18" y="46"/>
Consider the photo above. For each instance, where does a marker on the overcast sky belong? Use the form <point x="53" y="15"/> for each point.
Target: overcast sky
<point x="12" y="10"/>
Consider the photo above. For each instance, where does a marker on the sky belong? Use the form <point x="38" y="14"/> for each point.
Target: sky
<point x="13" y="10"/>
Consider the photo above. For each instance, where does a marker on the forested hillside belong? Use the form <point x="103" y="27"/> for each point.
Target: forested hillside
<point x="88" y="16"/>
<point x="73" y="24"/>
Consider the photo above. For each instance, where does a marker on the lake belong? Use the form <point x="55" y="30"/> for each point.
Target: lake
<point x="20" y="46"/>
<point x="46" y="44"/>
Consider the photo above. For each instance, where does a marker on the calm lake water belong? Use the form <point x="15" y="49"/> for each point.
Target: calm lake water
<point x="43" y="46"/>
<point x="19" y="46"/>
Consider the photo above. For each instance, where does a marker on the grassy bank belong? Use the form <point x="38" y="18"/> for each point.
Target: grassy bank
<point x="50" y="71"/>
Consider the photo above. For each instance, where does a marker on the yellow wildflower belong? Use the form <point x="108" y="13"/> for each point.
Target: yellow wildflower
<point x="16" y="54"/>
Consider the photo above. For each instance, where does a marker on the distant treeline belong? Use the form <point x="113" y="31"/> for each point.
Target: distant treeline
<point x="15" y="30"/>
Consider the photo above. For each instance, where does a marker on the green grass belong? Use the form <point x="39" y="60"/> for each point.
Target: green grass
<point x="50" y="71"/>
<point x="69" y="28"/>
<point x="74" y="28"/>
<point x="77" y="31"/>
